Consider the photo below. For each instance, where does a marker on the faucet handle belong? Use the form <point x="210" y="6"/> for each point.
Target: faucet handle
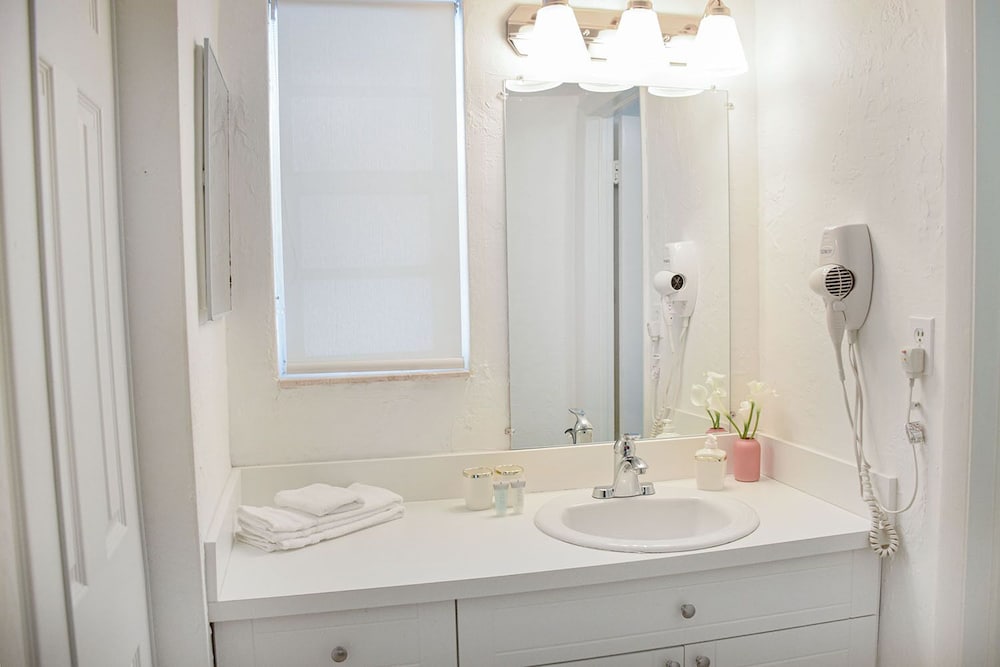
<point x="626" y="446"/>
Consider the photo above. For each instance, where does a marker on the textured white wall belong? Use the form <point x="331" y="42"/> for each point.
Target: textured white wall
<point x="852" y="128"/>
<point x="178" y="364"/>
<point x="207" y="358"/>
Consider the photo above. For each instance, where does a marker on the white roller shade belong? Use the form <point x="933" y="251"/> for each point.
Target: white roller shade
<point x="371" y="187"/>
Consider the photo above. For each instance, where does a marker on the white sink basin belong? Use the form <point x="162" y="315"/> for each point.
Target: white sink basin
<point x="671" y="520"/>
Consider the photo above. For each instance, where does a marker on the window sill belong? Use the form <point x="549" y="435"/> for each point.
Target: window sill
<point x="292" y="381"/>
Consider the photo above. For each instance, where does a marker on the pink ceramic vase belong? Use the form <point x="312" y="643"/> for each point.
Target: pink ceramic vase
<point x="716" y="429"/>
<point x="746" y="460"/>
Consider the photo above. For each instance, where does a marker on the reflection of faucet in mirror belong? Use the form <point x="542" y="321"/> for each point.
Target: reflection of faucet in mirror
<point x="628" y="467"/>
<point x="582" y="431"/>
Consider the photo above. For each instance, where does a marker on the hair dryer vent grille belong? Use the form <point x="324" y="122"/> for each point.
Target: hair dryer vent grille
<point x="839" y="282"/>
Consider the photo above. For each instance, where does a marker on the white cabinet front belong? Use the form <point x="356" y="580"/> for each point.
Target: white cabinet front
<point x="406" y="636"/>
<point x="668" y="657"/>
<point x="618" y="619"/>
<point x="849" y="642"/>
<point x="816" y="611"/>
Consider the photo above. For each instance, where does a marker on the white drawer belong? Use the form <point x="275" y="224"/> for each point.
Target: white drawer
<point x="608" y="619"/>
<point x="389" y="636"/>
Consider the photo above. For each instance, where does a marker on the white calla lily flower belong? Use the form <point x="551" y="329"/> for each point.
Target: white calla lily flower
<point x="699" y="396"/>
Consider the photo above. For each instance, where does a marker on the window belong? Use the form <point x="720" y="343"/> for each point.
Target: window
<point x="368" y="133"/>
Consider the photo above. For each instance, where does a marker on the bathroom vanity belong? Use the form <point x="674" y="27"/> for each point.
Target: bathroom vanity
<point x="445" y="586"/>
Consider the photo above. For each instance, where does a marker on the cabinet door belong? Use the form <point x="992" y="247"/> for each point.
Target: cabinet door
<point x="666" y="657"/>
<point x="552" y="626"/>
<point x="851" y="642"/>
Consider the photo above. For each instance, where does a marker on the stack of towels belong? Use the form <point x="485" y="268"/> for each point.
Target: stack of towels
<point x="315" y="513"/>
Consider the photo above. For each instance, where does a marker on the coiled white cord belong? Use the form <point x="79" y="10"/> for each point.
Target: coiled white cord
<point x="882" y="537"/>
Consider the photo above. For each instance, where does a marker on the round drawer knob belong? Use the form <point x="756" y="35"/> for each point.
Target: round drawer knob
<point x="672" y="663"/>
<point x="339" y="654"/>
<point x="702" y="661"/>
<point x="687" y="611"/>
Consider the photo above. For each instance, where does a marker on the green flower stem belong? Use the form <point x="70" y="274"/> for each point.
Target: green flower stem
<point x="756" y="423"/>
<point x="735" y="425"/>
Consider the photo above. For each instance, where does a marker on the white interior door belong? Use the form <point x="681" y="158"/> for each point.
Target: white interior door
<point x="85" y="330"/>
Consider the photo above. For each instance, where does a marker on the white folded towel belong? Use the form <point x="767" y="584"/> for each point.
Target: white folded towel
<point x="289" y="524"/>
<point x="267" y="543"/>
<point x="319" y="499"/>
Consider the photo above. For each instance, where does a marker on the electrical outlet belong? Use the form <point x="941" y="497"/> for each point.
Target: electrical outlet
<point x="922" y="335"/>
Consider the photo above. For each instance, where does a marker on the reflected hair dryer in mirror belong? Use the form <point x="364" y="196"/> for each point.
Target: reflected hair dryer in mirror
<point x="677" y="286"/>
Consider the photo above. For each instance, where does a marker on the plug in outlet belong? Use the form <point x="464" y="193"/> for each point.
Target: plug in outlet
<point x="922" y="335"/>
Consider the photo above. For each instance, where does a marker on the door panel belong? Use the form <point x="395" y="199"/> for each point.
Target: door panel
<point x="85" y="327"/>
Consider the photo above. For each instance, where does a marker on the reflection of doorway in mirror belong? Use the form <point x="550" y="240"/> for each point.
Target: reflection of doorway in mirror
<point x="629" y="333"/>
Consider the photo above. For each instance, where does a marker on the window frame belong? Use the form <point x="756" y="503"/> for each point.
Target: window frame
<point x="295" y="373"/>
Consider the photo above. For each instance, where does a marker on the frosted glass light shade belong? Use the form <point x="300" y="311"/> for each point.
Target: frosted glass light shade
<point x="638" y="45"/>
<point x="604" y="87"/>
<point x="524" y="86"/>
<point x="718" y="49"/>
<point x="662" y="91"/>
<point x="556" y="40"/>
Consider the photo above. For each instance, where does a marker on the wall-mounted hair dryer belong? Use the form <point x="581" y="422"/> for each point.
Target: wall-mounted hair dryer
<point x="844" y="280"/>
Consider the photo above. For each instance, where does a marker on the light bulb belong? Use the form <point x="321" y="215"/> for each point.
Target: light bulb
<point x="557" y="45"/>
<point x="717" y="48"/>
<point x="638" y="46"/>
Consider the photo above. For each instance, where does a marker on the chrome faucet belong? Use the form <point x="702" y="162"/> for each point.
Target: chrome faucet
<point x="628" y="467"/>
<point x="582" y="425"/>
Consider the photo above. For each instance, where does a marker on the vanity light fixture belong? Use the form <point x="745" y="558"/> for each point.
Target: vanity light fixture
<point x="717" y="48"/>
<point x="556" y="41"/>
<point x="638" y="44"/>
<point x="597" y="28"/>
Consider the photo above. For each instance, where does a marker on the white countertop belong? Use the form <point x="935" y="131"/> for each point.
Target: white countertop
<point x="441" y="551"/>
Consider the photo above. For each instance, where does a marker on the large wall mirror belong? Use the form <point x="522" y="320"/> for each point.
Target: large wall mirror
<point x="617" y="261"/>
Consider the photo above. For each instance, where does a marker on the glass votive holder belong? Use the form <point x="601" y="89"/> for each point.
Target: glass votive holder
<point x="477" y="484"/>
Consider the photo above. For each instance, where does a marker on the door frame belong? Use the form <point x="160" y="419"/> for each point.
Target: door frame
<point x="39" y="611"/>
<point x="982" y="558"/>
